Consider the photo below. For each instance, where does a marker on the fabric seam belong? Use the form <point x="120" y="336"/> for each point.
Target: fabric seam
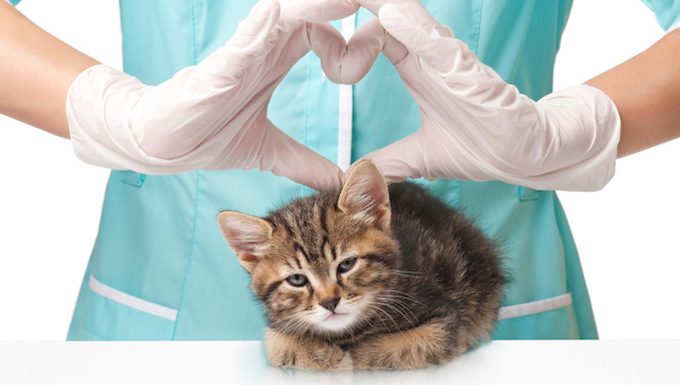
<point x="582" y="295"/>
<point x="192" y="253"/>
<point x="193" y="32"/>
<point x="192" y="248"/>
<point x="478" y="27"/>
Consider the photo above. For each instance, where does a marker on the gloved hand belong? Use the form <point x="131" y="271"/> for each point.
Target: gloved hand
<point x="475" y="126"/>
<point x="212" y="115"/>
<point x="347" y="63"/>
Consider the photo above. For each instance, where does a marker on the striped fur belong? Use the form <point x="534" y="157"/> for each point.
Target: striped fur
<point x="425" y="285"/>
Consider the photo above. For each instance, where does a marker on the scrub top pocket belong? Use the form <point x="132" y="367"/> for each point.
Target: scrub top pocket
<point x="114" y="315"/>
<point x="550" y="319"/>
<point x="135" y="279"/>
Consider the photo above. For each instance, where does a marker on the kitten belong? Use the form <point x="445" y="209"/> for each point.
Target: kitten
<point x="368" y="277"/>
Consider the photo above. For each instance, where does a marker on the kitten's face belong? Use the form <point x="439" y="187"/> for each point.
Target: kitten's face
<point x="321" y="278"/>
<point x="322" y="263"/>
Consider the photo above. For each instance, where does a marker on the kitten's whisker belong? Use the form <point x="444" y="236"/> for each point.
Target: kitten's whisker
<point x="284" y="321"/>
<point x="407" y="273"/>
<point x="393" y="296"/>
<point x="287" y="328"/>
<point x="391" y="304"/>
<point x="395" y="302"/>
<point x="404" y="294"/>
<point x="382" y="320"/>
<point x="398" y="299"/>
<point x="396" y="325"/>
<point x="294" y="326"/>
<point x="413" y="316"/>
<point x="300" y="328"/>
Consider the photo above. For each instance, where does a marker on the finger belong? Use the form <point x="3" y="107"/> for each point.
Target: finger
<point x="412" y="25"/>
<point x="290" y="50"/>
<point x="254" y="39"/>
<point x="286" y="157"/>
<point x="347" y="63"/>
<point x="394" y="50"/>
<point x="296" y="12"/>
<point x="400" y="160"/>
<point x="375" y="5"/>
<point x="343" y="63"/>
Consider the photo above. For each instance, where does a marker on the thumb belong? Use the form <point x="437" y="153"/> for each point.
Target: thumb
<point x="415" y="28"/>
<point x="286" y="157"/>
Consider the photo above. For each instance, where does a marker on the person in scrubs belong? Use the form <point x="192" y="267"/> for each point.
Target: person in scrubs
<point x="461" y="100"/>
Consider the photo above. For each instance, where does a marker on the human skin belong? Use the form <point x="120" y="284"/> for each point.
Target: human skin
<point x="37" y="69"/>
<point x="646" y="91"/>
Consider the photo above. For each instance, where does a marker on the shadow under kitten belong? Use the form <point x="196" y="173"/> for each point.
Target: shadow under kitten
<point x="368" y="277"/>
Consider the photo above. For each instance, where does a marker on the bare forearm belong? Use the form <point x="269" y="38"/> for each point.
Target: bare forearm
<point x="646" y="91"/>
<point x="36" y="71"/>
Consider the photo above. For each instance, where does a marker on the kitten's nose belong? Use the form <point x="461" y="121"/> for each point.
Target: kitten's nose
<point x="330" y="303"/>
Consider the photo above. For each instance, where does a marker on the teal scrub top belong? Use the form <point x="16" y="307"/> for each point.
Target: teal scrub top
<point x="160" y="268"/>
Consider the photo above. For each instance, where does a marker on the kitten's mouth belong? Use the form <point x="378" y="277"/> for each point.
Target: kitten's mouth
<point x="334" y="316"/>
<point x="335" y="321"/>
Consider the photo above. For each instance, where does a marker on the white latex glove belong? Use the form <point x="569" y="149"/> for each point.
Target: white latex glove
<point x="212" y="115"/>
<point x="475" y="126"/>
<point x="347" y="63"/>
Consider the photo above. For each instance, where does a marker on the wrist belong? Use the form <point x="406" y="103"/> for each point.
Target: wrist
<point x="590" y="105"/>
<point x="97" y="107"/>
<point x="585" y="126"/>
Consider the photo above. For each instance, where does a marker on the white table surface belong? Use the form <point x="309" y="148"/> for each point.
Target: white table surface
<point x="501" y="362"/>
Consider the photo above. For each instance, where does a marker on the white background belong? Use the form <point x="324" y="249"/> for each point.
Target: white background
<point x="627" y="234"/>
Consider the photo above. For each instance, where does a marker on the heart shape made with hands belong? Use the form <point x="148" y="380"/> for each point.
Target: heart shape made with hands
<point x="347" y="62"/>
<point x="405" y="32"/>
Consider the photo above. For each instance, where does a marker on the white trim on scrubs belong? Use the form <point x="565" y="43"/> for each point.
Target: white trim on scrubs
<point x="346" y="106"/>
<point x="144" y="306"/>
<point x="130" y="301"/>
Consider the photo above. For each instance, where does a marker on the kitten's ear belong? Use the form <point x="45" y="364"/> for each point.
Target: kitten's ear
<point x="365" y="195"/>
<point x="248" y="236"/>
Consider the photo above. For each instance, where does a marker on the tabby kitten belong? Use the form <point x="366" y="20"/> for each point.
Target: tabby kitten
<point x="349" y="280"/>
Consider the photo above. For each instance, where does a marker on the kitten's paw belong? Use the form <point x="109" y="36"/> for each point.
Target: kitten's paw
<point x="288" y="351"/>
<point x="346" y="363"/>
<point x="280" y="348"/>
<point x="325" y="356"/>
<point x="282" y="358"/>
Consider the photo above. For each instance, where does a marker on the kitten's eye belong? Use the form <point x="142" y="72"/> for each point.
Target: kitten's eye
<point x="346" y="265"/>
<point x="297" y="280"/>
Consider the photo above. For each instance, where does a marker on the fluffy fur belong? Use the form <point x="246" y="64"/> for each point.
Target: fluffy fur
<point x="368" y="277"/>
